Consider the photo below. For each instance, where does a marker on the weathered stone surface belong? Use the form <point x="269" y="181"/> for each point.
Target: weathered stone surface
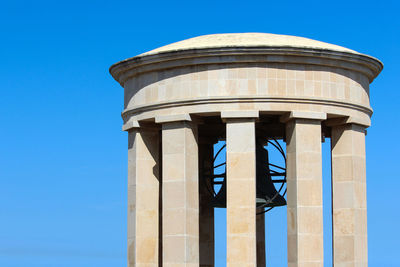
<point x="180" y="195"/>
<point x="349" y="198"/>
<point x="304" y="193"/>
<point x="241" y="193"/>
<point x="143" y="198"/>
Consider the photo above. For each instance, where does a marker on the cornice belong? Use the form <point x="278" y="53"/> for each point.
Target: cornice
<point x="242" y="99"/>
<point x="126" y="69"/>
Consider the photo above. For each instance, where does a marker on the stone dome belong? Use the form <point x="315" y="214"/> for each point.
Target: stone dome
<point x="239" y="47"/>
<point x="247" y="40"/>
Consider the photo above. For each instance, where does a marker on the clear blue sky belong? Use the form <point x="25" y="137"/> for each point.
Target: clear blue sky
<point x="63" y="158"/>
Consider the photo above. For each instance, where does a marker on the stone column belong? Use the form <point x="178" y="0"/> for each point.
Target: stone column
<point x="304" y="189"/>
<point x="349" y="196"/>
<point x="143" y="197"/>
<point x="180" y="192"/>
<point x="260" y="224"/>
<point x="206" y="216"/>
<point x="241" y="188"/>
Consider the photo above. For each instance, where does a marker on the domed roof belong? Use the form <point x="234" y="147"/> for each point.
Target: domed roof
<point x="242" y="45"/>
<point x="247" y="40"/>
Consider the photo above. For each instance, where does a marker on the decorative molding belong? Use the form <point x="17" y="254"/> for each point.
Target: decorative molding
<point x="126" y="69"/>
<point x="242" y="99"/>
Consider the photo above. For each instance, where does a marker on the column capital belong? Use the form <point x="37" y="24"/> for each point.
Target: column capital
<point x="240" y="115"/>
<point x="130" y="125"/>
<point x="320" y="116"/>
<point x="134" y="125"/>
<point x="173" y="118"/>
<point x="347" y="120"/>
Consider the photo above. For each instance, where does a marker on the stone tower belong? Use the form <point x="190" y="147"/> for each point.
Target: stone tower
<point x="182" y="98"/>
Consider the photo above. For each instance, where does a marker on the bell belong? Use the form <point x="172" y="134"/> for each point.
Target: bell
<point x="266" y="194"/>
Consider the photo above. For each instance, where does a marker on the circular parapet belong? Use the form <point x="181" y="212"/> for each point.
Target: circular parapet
<point x="266" y="73"/>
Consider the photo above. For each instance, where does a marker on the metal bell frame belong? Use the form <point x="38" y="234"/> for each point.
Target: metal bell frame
<point x="214" y="180"/>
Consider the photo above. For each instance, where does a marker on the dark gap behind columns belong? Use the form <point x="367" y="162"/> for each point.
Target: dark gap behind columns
<point x="160" y="233"/>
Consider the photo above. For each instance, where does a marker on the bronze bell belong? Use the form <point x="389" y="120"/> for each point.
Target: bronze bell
<point x="266" y="194"/>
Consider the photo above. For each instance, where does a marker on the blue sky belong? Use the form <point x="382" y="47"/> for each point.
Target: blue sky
<point x="63" y="155"/>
